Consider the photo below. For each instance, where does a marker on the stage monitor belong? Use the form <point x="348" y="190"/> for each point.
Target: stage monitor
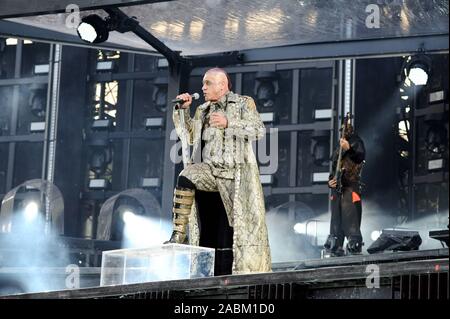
<point x="396" y="240"/>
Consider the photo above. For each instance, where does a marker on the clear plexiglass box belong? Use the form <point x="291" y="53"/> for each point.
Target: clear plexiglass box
<point x="157" y="263"/>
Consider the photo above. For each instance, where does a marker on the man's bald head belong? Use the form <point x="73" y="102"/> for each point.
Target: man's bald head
<point x="216" y="83"/>
<point x="222" y="75"/>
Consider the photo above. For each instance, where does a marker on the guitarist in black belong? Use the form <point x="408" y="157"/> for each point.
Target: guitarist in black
<point x="345" y="198"/>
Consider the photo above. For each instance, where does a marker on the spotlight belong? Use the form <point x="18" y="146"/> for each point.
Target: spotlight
<point x="300" y="228"/>
<point x="418" y="75"/>
<point x="37" y="100"/>
<point x="125" y="216"/>
<point x="99" y="160"/>
<point x="435" y="141"/>
<point x="22" y="208"/>
<point x="128" y="216"/>
<point x="320" y="148"/>
<point x="436" y="138"/>
<point x="94" y="29"/>
<point x="159" y="96"/>
<point x="375" y="234"/>
<point x="126" y="213"/>
<point x="265" y="94"/>
<point x="27" y="204"/>
<point x="321" y="153"/>
<point x="31" y="211"/>
<point x="417" y="69"/>
<point x="311" y="229"/>
<point x="266" y="88"/>
<point x="100" y="155"/>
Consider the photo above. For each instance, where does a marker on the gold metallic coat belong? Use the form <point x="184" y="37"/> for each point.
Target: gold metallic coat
<point x="243" y="199"/>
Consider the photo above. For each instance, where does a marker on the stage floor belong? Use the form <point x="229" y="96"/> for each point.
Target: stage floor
<point x="402" y="275"/>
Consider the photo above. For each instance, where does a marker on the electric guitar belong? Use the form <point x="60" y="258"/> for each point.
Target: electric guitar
<point x="339" y="170"/>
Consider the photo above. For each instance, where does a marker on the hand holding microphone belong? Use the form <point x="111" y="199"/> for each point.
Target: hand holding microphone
<point x="186" y="100"/>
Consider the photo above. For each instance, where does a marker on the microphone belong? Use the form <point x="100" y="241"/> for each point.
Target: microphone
<point x="194" y="96"/>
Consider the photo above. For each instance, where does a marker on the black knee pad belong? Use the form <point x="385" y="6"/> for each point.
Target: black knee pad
<point x="184" y="182"/>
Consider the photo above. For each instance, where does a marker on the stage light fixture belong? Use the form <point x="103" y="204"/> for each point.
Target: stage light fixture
<point x="159" y="96"/>
<point x="266" y="88"/>
<point x="418" y="75"/>
<point x="320" y="148"/>
<point x="128" y="216"/>
<point x="23" y="208"/>
<point x="435" y="164"/>
<point x="98" y="183"/>
<point x="417" y="68"/>
<point x="321" y="177"/>
<point x="94" y="29"/>
<point x="148" y="182"/>
<point x="37" y="100"/>
<point x="41" y="69"/>
<point x="31" y="211"/>
<point x="154" y="122"/>
<point x="266" y="179"/>
<point x="127" y="211"/>
<point x="37" y="127"/>
<point x="163" y="63"/>
<point x="436" y="141"/>
<point x="375" y="234"/>
<point x="437" y="96"/>
<point x="11" y="41"/>
<point x="300" y="228"/>
<point x="103" y="124"/>
<point x="324" y="114"/>
<point x="133" y="215"/>
<point x="321" y="153"/>
<point x="99" y="159"/>
<point x="312" y="229"/>
<point x="436" y="137"/>
<point x="267" y="117"/>
<point x="107" y="65"/>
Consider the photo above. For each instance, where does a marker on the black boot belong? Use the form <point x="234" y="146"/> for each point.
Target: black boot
<point x="182" y="203"/>
<point x="333" y="246"/>
<point x="354" y="245"/>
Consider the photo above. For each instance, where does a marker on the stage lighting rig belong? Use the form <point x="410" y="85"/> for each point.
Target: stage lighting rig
<point x="94" y="29"/>
<point x="417" y="68"/>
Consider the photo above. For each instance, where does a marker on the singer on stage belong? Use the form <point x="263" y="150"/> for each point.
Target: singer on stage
<point x="220" y="195"/>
